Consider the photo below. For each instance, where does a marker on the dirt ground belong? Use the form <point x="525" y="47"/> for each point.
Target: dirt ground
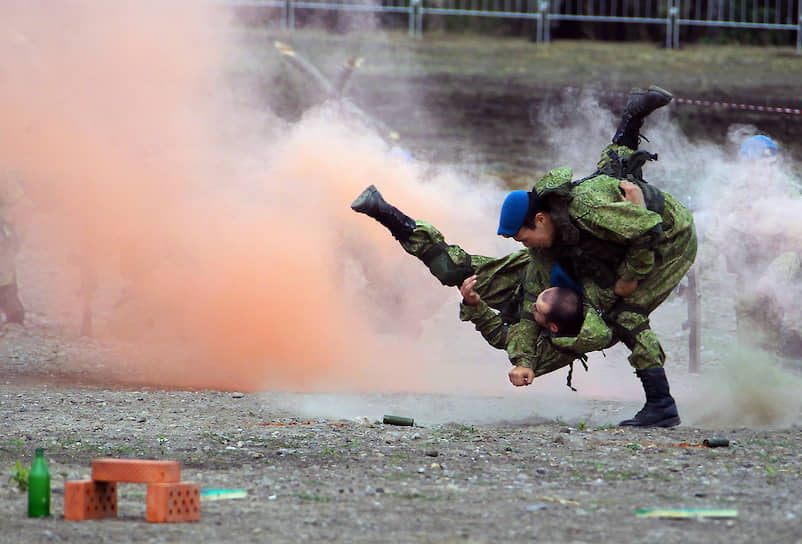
<point x="322" y="467"/>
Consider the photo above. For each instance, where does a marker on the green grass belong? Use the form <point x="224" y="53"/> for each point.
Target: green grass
<point x="312" y="497"/>
<point x="19" y="477"/>
<point x="705" y="68"/>
<point x="606" y="427"/>
<point x="398" y="475"/>
<point x="417" y="497"/>
<point x="12" y="446"/>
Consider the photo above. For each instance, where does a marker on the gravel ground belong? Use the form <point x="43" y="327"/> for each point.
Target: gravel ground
<point x="343" y="480"/>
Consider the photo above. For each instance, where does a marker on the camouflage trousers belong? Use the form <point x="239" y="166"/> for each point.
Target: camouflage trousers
<point x="498" y="280"/>
<point x="630" y="315"/>
<point x="497" y="277"/>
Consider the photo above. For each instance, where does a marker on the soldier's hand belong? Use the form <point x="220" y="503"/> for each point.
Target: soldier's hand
<point x="468" y="294"/>
<point x="632" y="193"/>
<point x="520" y="375"/>
<point x="624" y="287"/>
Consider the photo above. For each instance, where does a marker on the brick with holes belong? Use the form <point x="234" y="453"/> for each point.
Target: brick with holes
<point x="173" y="502"/>
<point x="87" y="499"/>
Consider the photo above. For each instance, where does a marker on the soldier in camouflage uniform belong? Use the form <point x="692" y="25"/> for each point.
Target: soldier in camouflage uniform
<point x="609" y="245"/>
<point x="11" y="193"/>
<point x="752" y="255"/>
<point x="635" y="256"/>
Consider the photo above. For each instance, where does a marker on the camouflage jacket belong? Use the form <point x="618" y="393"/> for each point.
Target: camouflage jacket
<point x="527" y="343"/>
<point x="605" y="238"/>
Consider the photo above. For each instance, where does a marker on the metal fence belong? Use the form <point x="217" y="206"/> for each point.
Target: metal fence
<point x="772" y="15"/>
<point x="744" y="14"/>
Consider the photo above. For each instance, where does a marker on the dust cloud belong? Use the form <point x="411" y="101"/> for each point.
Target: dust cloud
<point x="752" y="390"/>
<point x="750" y="240"/>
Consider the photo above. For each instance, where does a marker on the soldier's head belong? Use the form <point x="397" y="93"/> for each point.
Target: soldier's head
<point x="559" y="310"/>
<point x="759" y="148"/>
<point x="526" y="219"/>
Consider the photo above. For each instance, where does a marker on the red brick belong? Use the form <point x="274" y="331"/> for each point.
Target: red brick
<point x="87" y="499"/>
<point x="171" y="502"/>
<point x="143" y="471"/>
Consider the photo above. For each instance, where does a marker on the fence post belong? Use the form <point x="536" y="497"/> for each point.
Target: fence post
<point x="799" y="30"/>
<point x="677" y="17"/>
<point x="291" y="14"/>
<point x="672" y="25"/>
<point x="543" y="22"/>
<point x="419" y="18"/>
<point x="415" y="28"/>
<point x="694" y="323"/>
<point x="411" y="25"/>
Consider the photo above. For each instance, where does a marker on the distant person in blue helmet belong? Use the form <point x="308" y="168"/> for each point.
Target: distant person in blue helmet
<point x="620" y="270"/>
<point x="758" y="147"/>
<point x="745" y="254"/>
<point x="762" y="257"/>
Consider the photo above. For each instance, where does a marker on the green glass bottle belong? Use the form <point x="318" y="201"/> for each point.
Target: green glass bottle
<point x="39" y="486"/>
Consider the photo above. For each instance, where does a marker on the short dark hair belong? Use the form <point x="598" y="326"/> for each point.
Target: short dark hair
<point x="536" y="205"/>
<point x="566" y="310"/>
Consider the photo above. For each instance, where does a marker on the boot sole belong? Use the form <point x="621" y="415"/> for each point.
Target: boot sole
<point x="662" y="91"/>
<point x="670" y="422"/>
<point x="360" y="204"/>
<point x="666" y="96"/>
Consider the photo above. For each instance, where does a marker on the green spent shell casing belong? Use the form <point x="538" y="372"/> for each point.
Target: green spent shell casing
<point x="398" y="420"/>
<point x="716" y="443"/>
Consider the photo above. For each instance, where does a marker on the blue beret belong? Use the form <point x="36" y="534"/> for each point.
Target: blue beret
<point x="513" y="212"/>
<point x="758" y="147"/>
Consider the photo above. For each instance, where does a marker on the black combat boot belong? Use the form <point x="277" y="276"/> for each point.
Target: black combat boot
<point x="660" y="409"/>
<point x="639" y="105"/>
<point x="371" y="203"/>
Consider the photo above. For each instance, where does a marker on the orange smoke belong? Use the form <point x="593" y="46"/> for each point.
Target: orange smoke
<point x="222" y="259"/>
